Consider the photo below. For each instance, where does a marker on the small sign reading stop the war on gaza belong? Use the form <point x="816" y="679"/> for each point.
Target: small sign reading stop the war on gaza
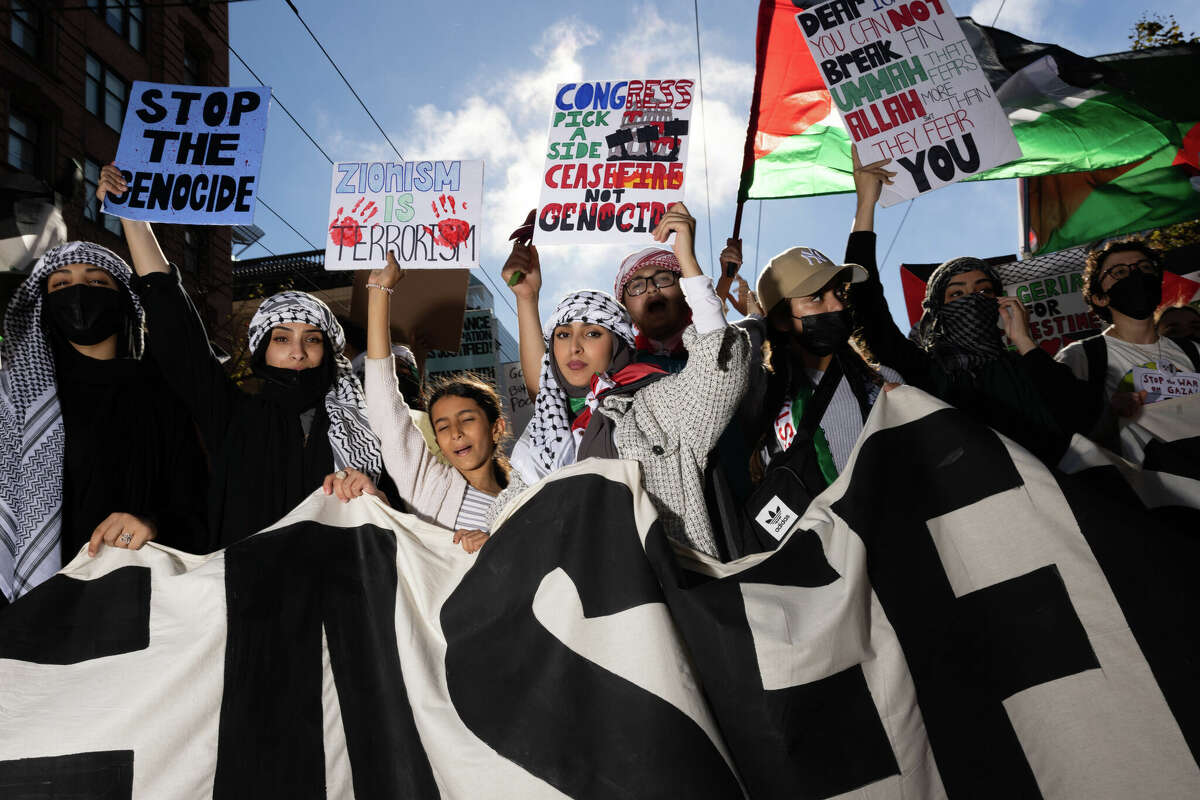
<point x="909" y="87"/>
<point x="191" y="154"/>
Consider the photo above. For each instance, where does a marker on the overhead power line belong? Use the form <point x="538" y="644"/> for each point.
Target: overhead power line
<point x="704" y="122"/>
<point x="279" y="103"/>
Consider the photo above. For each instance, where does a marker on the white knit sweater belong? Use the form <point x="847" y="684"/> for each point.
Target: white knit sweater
<point x="432" y="489"/>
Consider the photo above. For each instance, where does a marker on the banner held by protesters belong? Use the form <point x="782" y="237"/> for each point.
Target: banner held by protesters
<point x="191" y="154"/>
<point x="615" y="161"/>
<point x="425" y="212"/>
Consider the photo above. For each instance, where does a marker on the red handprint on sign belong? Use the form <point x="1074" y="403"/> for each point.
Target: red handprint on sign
<point x="346" y="230"/>
<point x="451" y="232"/>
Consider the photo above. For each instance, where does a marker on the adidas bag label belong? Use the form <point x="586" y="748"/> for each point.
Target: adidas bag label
<point x="776" y="518"/>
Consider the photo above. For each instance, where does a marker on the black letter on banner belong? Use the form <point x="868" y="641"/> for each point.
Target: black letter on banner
<point x="572" y="723"/>
<point x="966" y="654"/>
<point x="280" y="588"/>
<point x="106" y="775"/>
<point x="61" y="622"/>
<point x="812" y="740"/>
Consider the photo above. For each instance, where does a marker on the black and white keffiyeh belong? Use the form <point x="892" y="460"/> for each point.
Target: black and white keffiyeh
<point x="31" y="424"/>
<point x="547" y="443"/>
<point x="963" y="334"/>
<point x="353" y="442"/>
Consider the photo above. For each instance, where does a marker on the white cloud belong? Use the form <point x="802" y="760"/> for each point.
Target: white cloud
<point x="508" y="130"/>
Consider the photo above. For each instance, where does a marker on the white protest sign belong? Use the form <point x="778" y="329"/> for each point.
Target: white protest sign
<point x="1058" y="314"/>
<point x="518" y="405"/>
<point x="191" y="154"/>
<point x="424" y="211"/>
<point x="909" y="87"/>
<point x="1159" y="385"/>
<point x="615" y="160"/>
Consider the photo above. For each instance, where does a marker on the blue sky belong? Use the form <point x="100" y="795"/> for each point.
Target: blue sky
<point x="476" y="80"/>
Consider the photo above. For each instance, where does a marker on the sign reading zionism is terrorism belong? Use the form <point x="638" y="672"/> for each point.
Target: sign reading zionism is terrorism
<point x="909" y="88"/>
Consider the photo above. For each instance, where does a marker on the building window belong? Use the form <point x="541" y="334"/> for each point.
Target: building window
<point x="105" y="93"/>
<point x="194" y="72"/>
<point x="194" y="243"/>
<point x="26" y="26"/>
<point x="125" y="17"/>
<point x="91" y="205"/>
<point x="22" y="142"/>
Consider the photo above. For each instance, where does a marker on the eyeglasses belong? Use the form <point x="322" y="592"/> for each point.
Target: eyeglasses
<point x="662" y="279"/>
<point x="1122" y="271"/>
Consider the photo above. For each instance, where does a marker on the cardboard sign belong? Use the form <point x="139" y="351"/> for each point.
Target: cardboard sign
<point x="424" y="313"/>
<point x="1159" y="385"/>
<point x="518" y="405"/>
<point x="477" y="352"/>
<point x="615" y="160"/>
<point x="191" y="154"/>
<point x="1058" y="314"/>
<point x="423" y="211"/>
<point x="909" y="87"/>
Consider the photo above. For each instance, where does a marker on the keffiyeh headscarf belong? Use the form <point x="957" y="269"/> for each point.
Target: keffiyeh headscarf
<point x="31" y="424"/>
<point x="547" y="443"/>
<point x="963" y="334"/>
<point x="353" y="442"/>
<point x="649" y="257"/>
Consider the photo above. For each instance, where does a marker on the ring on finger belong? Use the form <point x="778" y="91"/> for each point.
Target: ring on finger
<point x="340" y="474"/>
<point x="125" y="538"/>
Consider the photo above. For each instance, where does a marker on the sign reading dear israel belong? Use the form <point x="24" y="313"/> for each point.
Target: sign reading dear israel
<point x="909" y="87"/>
<point x="423" y="211"/>
<point x="191" y="154"/>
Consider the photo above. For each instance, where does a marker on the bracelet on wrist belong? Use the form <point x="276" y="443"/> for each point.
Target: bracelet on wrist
<point x="387" y="289"/>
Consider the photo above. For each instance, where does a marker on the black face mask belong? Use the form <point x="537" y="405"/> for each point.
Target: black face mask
<point x="297" y="389"/>
<point x="1136" y="295"/>
<point x="824" y="333"/>
<point x="84" y="314"/>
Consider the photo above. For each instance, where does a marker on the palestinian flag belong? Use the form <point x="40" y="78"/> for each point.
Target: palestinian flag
<point x="1067" y="112"/>
<point x="1162" y="188"/>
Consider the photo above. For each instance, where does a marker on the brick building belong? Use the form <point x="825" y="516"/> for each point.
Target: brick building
<point x="66" y="68"/>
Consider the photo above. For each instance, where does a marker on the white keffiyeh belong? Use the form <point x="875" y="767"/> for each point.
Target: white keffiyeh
<point x="353" y="442"/>
<point x="31" y="424"/>
<point x="547" y="443"/>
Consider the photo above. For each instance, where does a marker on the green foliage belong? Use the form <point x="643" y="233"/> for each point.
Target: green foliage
<point x="1155" y="30"/>
<point x="1178" y="235"/>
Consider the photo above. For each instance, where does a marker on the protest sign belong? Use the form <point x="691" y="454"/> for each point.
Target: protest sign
<point x="477" y="352"/>
<point x="423" y="211"/>
<point x="1159" y="385"/>
<point x="1058" y="314"/>
<point x="518" y="405"/>
<point x="615" y="160"/>
<point x="424" y="313"/>
<point x="191" y="154"/>
<point x="909" y="87"/>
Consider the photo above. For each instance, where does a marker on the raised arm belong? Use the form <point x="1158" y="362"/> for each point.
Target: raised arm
<point x="522" y="274"/>
<point x="175" y="335"/>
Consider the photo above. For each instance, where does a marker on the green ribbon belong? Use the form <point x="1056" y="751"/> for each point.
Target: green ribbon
<point x="820" y="443"/>
<point x="577" y="404"/>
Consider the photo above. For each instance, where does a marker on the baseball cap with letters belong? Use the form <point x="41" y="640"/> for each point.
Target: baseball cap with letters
<point x="799" y="272"/>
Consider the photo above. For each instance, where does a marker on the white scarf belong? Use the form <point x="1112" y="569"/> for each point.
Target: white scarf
<point x="353" y="442"/>
<point x="31" y="426"/>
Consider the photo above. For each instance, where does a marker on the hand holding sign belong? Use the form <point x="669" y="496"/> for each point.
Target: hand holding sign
<point x="389" y="276"/>
<point x="523" y="261"/>
<point x="1014" y="317"/>
<point x="869" y="179"/>
<point x="111" y="182"/>
<point x="680" y="222"/>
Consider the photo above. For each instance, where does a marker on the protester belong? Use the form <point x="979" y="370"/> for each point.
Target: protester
<point x="960" y="356"/>
<point x="1178" y="322"/>
<point x="468" y="424"/>
<point x="267" y="451"/>
<point x="1122" y="283"/>
<point x="94" y="448"/>
<point x="596" y="400"/>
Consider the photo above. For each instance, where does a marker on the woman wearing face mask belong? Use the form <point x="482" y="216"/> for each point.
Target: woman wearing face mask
<point x="1122" y="282"/>
<point x="93" y="446"/>
<point x="961" y="356"/>
<point x="268" y="451"/>
<point x="595" y="400"/>
<point x="468" y="423"/>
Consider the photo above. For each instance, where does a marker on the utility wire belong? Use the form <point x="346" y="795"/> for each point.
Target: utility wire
<point x="296" y="11"/>
<point x="279" y="103"/>
<point x="998" y="10"/>
<point x="895" y="236"/>
<point x="263" y="203"/>
<point x="700" y="76"/>
<point x="757" y="234"/>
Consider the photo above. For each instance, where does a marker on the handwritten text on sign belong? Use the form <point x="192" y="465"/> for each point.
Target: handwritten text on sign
<point x="191" y="154"/>
<point x="1159" y="385"/>
<point x="909" y="88"/>
<point x="423" y="211"/>
<point x="615" y="160"/>
<point x="1058" y="314"/>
